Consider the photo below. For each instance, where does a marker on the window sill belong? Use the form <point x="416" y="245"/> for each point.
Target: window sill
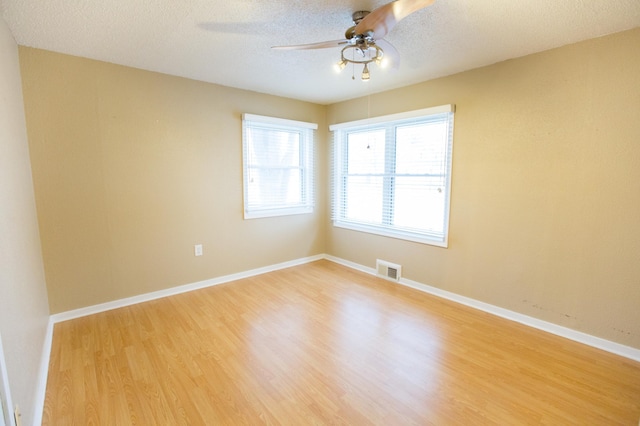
<point x="257" y="214"/>
<point x="391" y="233"/>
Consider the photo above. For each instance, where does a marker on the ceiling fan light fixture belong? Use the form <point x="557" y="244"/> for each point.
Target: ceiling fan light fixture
<point x="365" y="73"/>
<point x="380" y="60"/>
<point x="370" y="52"/>
<point x="339" y="66"/>
<point x="368" y="29"/>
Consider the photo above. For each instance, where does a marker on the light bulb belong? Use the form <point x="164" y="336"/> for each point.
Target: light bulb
<point x="339" y="66"/>
<point x="365" y="73"/>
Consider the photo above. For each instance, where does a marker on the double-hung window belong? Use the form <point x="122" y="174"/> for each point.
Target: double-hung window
<point x="278" y="166"/>
<point x="392" y="175"/>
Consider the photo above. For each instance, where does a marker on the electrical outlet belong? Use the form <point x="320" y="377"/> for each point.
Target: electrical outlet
<point x="198" y="249"/>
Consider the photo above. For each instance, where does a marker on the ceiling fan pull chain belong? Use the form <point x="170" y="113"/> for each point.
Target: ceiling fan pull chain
<point x="353" y="65"/>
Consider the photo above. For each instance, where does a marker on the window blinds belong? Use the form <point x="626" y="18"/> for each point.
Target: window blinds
<point x="391" y="175"/>
<point x="278" y="166"/>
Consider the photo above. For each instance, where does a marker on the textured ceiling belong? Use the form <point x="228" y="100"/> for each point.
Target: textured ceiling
<point x="228" y="41"/>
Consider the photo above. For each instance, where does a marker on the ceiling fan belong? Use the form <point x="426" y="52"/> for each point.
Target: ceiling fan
<point x="364" y="41"/>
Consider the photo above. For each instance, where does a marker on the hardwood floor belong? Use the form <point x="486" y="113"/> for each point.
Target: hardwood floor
<point x="323" y="344"/>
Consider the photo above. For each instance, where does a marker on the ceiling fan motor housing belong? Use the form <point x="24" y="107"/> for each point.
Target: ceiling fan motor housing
<point x="357" y="17"/>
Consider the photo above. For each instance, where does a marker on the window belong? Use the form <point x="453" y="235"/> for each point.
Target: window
<point x="392" y="175"/>
<point x="278" y="166"/>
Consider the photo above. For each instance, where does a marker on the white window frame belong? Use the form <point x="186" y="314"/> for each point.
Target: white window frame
<point x="340" y="132"/>
<point x="306" y="133"/>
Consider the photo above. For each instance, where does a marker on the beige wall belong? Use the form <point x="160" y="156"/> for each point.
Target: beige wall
<point x="24" y="311"/>
<point x="545" y="209"/>
<point x="132" y="168"/>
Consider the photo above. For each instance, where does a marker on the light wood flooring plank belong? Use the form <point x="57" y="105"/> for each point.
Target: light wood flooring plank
<point x="323" y="344"/>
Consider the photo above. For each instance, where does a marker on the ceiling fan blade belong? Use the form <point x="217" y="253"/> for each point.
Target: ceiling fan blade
<point x="320" y="45"/>
<point x="384" y="18"/>
<point x="391" y="55"/>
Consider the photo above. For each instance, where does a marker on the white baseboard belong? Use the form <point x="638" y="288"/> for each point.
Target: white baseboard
<point x="606" y="345"/>
<point x="43" y="372"/>
<point x="5" y="392"/>
<point x="587" y="339"/>
<point x="102" y="307"/>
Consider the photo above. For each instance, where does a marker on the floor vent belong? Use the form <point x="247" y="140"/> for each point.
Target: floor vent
<point x="388" y="270"/>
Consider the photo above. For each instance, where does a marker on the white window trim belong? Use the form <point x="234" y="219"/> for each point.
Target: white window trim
<point x="393" y="117"/>
<point x="279" y="121"/>
<point x="381" y="230"/>
<point x="285" y="211"/>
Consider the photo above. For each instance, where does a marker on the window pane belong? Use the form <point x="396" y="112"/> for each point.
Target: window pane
<point x="277" y="166"/>
<point x="364" y="199"/>
<point x="392" y="178"/>
<point x="273" y="148"/>
<point x="274" y="187"/>
<point x="366" y="152"/>
<point x="420" y="149"/>
<point x="419" y="204"/>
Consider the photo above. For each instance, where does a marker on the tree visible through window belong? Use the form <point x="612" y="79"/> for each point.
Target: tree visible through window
<point x="392" y="175"/>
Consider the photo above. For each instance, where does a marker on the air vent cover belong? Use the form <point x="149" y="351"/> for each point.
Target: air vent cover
<point x="388" y="270"/>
